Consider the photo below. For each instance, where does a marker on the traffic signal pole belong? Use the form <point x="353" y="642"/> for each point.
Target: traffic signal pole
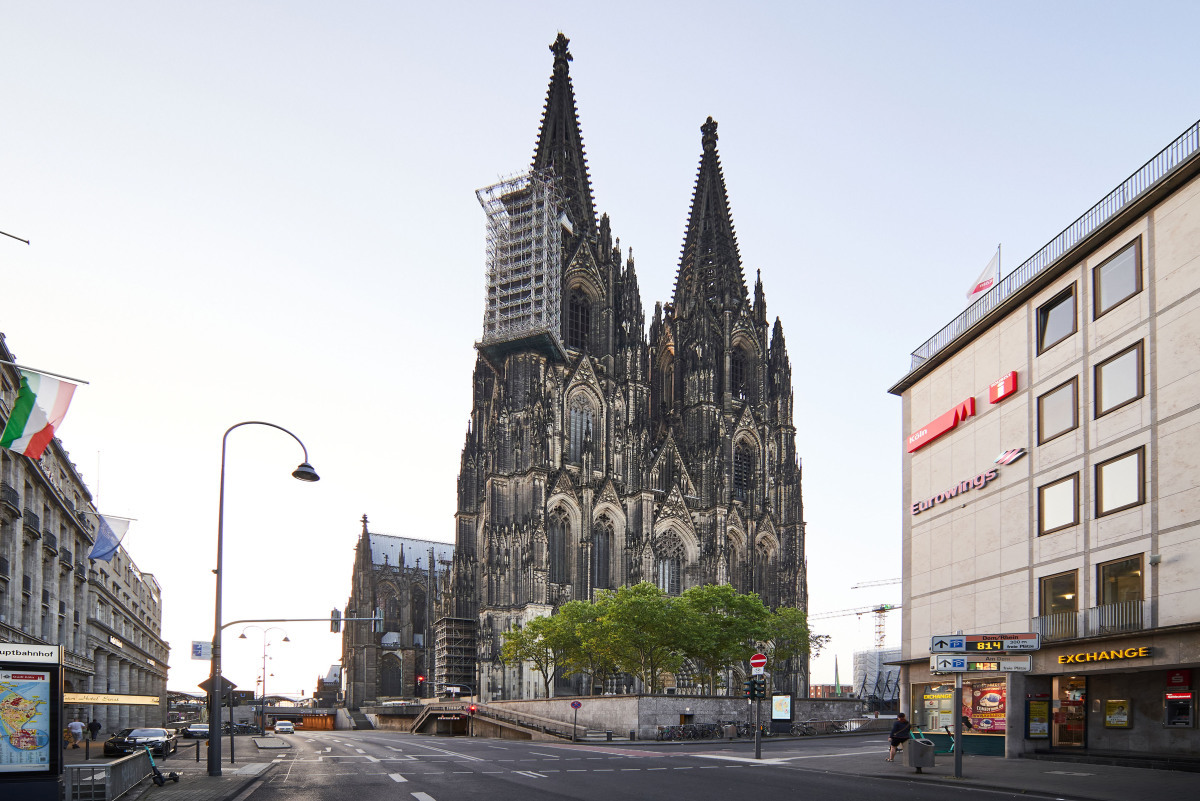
<point x="757" y="727"/>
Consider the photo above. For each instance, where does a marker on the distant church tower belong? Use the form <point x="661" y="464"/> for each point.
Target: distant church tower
<point x="597" y="456"/>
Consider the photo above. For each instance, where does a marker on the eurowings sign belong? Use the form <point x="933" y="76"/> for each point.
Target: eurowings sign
<point x="931" y="431"/>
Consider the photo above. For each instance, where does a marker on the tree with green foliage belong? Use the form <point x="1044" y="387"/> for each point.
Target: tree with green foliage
<point x="588" y="648"/>
<point x="642" y="625"/>
<point x="539" y="642"/>
<point x="790" y="638"/>
<point x="719" y="627"/>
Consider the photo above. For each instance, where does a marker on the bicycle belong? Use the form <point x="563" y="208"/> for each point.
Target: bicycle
<point x="803" y="729"/>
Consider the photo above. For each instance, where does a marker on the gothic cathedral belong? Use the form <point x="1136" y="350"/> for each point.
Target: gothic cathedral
<point x="599" y="454"/>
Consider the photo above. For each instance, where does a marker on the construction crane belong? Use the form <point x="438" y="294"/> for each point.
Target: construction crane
<point x="880" y="583"/>
<point x="879" y="610"/>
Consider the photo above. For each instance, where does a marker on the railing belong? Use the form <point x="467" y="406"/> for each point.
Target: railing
<point x="4" y="569"/>
<point x="1150" y="175"/>
<point x="1097" y="621"/>
<point x="105" y="782"/>
<point x="1057" y="626"/>
<point x="1114" y="618"/>
<point x="49" y="540"/>
<point x="10" y="496"/>
<point x="32" y="523"/>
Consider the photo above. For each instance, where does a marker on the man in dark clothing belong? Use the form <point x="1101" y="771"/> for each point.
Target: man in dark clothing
<point x="94" y="728"/>
<point x="900" y="732"/>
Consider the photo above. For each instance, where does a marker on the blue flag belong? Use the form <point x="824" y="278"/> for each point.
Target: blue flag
<point x="108" y="538"/>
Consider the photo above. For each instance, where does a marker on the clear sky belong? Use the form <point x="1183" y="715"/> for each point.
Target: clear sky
<point x="266" y="211"/>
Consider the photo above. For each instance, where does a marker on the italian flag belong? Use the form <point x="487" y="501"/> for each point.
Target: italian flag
<point x="40" y="408"/>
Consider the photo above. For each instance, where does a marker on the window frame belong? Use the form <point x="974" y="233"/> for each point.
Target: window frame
<point x="1139" y="346"/>
<point x="1140" y="452"/>
<point x="1074" y="383"/>
<point x="1043" y="315"/>
<point x="1042" y="608"/>
<point x="1042" y="530"/>
<point x="579" y="319"/>
<point x="1141" y="573"/>
<point x="1136" y="246"/>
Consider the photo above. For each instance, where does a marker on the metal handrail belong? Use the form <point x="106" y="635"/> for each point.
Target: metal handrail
<point x="107" y="781"/>
<point x="1151" y="174"/>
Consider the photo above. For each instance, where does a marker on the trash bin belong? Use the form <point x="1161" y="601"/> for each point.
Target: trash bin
<point x="730" y="731"/>
<point x="633" y="734"/>
<point x="608" y="735"/>
<point x="918" y="753"/>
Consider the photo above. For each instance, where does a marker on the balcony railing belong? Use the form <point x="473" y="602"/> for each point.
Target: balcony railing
<point x="1098" y="621"/>
<point x="1152" y="173"/>
<point x="10" y="497"/>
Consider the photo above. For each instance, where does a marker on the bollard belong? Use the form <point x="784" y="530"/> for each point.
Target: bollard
<point x="198" y="749"/>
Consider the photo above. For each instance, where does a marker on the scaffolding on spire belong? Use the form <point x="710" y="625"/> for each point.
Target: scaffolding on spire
<point x="525" y="222"/>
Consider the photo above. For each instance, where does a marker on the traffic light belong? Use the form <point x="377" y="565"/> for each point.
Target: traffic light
<point x="335" y="621"/>
<point x="420" y="686"/>
<point x="760" y="687"/>
<point x="377" y="620"/>
<point x="748" y="688"/>
<point x="472" y="709"/>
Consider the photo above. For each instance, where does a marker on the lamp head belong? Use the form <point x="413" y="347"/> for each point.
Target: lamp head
<point x="242" y="636"/>
<point x="285" y="638"/>
<point x="305" y="472"/>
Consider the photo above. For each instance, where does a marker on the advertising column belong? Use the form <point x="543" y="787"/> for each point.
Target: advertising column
<point x="30" y="721"/>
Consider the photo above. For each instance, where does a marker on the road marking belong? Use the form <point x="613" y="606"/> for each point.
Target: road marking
<point x="372" y="759"/>
<point x="396" y="777"/>
<point x="539" y="753"/>
<point x="328" y="748"/>
<point x="531" y="774"/>
<point x="423" y="797"/>
<point x="451" y="753"/>
<point x="390" y="747"/>
<point x="1069" y="773"/>
<point x="359" y="750"/>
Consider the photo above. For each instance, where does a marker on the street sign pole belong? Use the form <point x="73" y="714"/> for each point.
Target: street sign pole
<point x="757" y="729"/>
<point x="958" y="744"/>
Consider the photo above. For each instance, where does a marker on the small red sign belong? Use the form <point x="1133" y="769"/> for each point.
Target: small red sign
<point x="1003" y="388"/>
<point x="758" y="660"/>
<point x="1179" y="680"/>
<point x="1179" y="696"/>
<point x="928" y="433"/>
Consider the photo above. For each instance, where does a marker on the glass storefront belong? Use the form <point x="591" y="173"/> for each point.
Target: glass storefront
<point x="1069" y="725"/>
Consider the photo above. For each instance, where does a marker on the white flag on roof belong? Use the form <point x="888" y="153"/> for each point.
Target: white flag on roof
<point x="987" y="279"/>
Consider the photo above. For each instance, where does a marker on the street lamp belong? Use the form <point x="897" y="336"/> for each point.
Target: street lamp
<point x="304" y="472"/>
<point x="262" y="715"/>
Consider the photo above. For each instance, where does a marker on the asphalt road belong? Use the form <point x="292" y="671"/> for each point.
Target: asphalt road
<point x="369" y="765"/>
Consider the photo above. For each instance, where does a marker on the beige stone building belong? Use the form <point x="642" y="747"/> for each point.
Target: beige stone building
<point x="106" y="615"/>
<point x="1051" y="453"/>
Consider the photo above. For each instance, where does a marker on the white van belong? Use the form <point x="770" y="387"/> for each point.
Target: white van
<point x="284" y="727"/>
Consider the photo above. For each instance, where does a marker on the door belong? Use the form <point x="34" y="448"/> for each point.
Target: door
<point x="1069" y="726"/>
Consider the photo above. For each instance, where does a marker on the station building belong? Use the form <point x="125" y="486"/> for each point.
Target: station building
<point x="1051" y="449"/>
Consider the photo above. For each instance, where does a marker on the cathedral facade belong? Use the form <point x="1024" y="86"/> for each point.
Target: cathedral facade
<point x="600" y="453"/>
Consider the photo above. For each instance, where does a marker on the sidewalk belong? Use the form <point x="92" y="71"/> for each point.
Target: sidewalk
<point x="253" y="762"/>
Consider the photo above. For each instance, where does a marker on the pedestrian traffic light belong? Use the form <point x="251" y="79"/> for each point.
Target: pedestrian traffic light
<point x="748" y="688"/>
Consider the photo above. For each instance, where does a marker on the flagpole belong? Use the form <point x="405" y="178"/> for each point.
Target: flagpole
<point x="45" y="372"/>
<point x="11" y="236"/>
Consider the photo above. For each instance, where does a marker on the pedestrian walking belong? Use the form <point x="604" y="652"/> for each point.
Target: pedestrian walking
<point x="901" y="731"/>
<point x="94" y="728"/>
<point x="76" y="727"/>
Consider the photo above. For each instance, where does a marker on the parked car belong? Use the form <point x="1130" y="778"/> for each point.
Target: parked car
<point x="195" y="730"/>
<point x="128" y="741"/>
<point x="284" y="727"/>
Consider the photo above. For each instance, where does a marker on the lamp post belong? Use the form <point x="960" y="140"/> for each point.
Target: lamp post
<point x="262" y="714"/>
<point x="304" y="472"/>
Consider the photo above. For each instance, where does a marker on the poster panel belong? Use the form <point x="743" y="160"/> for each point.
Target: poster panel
<point x="1116" y="714"/>
<point x="26" y="724"/>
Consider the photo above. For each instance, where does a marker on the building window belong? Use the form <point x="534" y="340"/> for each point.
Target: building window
<point x="1056" y="319"/>
<point x="1119" y="581"/>
<point x="579" y="320"/>
<point x="1120" y="483"/>
<point x="743" y="471"/>
<point x="1058" y="411"/>
<point x="558" y="536"/>
<point x="1059" y="594"/>
<point x="581" y="432"/>
<point x="1118" y="279"/>
<point x="602" y="537"/>
<point x="1119" y="380"/>
<point x="737" y="373"/>
<point x="668" y="575"/>
<point x="1058" y="504"/>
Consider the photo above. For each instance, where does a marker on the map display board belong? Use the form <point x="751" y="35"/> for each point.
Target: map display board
<point x="25" y="720"/>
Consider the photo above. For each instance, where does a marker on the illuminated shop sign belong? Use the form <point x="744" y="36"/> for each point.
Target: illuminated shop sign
<point x="931" y="431"/>
<point x="1102" y="656"/>
<point x="1003" y="388"/>
<point x="961" y="488"/>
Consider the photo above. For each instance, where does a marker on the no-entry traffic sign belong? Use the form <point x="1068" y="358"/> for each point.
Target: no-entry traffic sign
<point x="758" y="660"/>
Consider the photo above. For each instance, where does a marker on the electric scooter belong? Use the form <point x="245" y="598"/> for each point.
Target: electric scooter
<point x="159" y="779"/>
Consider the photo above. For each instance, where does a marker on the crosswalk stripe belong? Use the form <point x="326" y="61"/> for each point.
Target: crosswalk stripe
<point x="396" y="777"/>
